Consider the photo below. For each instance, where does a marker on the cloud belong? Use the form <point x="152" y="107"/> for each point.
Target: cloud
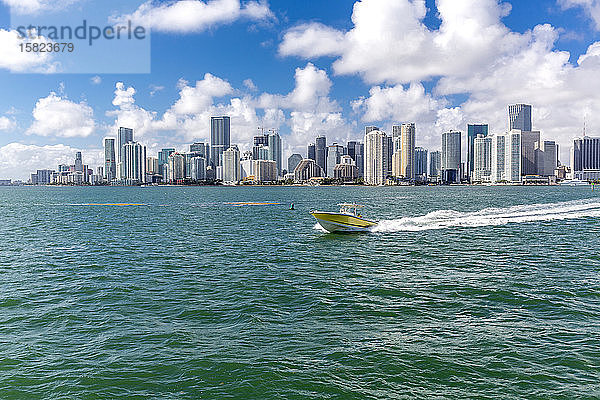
<point x="192" y="16"/>
<point x="36" y="6"/>
<point x="15" y="60"/>
<point x="155" y="89"/>
<point x="591" y="7"/>
<point x="312" y="40"/>
<point x="96" y="80"/>
<point x="199" y="97"/>
<point x="60" y="117"/>
<point x="7" y="123"/>
<point x="18" y="161"/>
<point x="249" y="83"/>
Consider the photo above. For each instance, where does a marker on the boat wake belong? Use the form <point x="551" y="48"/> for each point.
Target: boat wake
<point x="493" y="216"/>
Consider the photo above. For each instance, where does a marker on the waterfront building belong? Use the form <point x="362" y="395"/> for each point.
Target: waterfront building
<point x="231" y="165"/>
<point x="473" y="130"/>
<point x="334" y="154"/>
<point x="482" y="159"/>
<point x="78" y="162"/>
<point x="261" y="140"/>
<point x="321" y="153"/>
<point x="265" y="171"/>
<point x="110" y="162"/>
<point x="220" y="138"/>
<point x="124" y="136"/>
<point x="275" y="151"/>
<point x="376" y="149"/>
<point x="346" y="170"/>
<point x="356" y="151"/>
<point x="306" y="170"/>
<point x="42" y="177"/>
<point x="311" y="152"/>
<point x="134" y="164"/>
<point x="519" y="117"/>
<point x="293" y="162"/>
<point x="506" y="157"/>
<point x="421" y="164"/>
<point x="451" y="157"/>
<point x="260" y="152"/>
<point x="175" y="168"/>
<point x="403" y="158"/>
<point x="585" y="158"/>
<point x="530" y="141"/>
<point x="435" y="166"/>
<point x="198" y="168"/>
<point x="199" y="149"/>
<point x="369" y="129"/>
<point x="152" y="166"/>
<point x="546" y="158"/>
<point x="163" y="159"/>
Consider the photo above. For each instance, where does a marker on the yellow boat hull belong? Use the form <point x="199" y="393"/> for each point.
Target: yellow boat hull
<point x="338" y="222"/>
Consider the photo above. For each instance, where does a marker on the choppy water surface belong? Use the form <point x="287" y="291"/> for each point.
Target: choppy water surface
<point x="458" y="293"/>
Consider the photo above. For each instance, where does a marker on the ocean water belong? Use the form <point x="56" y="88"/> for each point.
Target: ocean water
<point x="460" y="292"/>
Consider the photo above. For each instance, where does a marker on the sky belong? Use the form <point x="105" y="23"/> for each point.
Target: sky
<point x="306" y="68"/>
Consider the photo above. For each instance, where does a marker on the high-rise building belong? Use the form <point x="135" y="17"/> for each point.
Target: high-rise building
<point x="369" y="129"/>
<point x="546" y="158"/>
<point x="397" y="151"/>
<point x="451" y="156"/>
<point x="506" y="157"/>
<point x="265" y="170"/>
<point x="306" y="170"/>
<point x="407" y="149"/>
<point x="220" y="138"/>
<point x="519" y="117"/>
<point x="312" y="155"/>
<point x="530" y="141"/>
<point x="334" y="154"/>
<point x="199" y="149"/>
<point x="231" y="165"/>
<point x="261" y="140"/>
<point x="356" y="151"/>
<point x="124" y="136"/>
<point x="435" y="166"/>
<point x="321" y="153"/>
<point x="110" y="161"/>
<point x="152" y="166"/>
<point x="176" y="167"/>
<point x="163" y="159"/>
<point x="134" y="164"/>
<point x="585" y="158"/>
<point x="293" y="162"/>
<point x="420" y="164"/>
<point x="376" y="148"/>
<point x="275" y="151"/>
<point x="78" y="162"/>
<point x="346" y="170"/>
<point x="198" y="168"/>
<point x="482" y="159"/>
<point x="473" y="130"/>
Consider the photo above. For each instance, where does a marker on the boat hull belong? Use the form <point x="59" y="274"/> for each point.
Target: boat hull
<point x="338" y="222"/>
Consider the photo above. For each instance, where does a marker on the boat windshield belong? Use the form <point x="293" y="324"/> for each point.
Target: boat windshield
<point x="348" y="208"/>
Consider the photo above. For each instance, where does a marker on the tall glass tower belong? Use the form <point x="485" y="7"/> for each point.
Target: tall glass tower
<point x="472" y="131"/>
<point x="519" y="117"/>
<point x="220" y="138"/>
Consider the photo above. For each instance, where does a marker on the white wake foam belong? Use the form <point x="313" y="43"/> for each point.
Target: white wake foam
<point x="493" y="216"/>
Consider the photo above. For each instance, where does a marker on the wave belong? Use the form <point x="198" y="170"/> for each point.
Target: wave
<point x="443" y="219"/>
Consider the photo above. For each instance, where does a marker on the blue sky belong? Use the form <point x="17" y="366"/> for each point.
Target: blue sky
<point x="306" y="68"/>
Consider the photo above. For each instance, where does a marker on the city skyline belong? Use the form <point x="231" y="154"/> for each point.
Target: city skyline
<point x="265" y="69"/>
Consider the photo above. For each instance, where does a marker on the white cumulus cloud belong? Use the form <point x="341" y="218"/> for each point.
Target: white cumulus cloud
<point x="14" y="59"/>
<point x="591" y="7"/>
<point x="60" y="117"/>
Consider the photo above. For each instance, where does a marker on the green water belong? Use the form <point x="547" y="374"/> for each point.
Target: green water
<point x="463" y="292"/>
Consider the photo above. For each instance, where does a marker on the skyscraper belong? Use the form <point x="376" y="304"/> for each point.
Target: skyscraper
<point x="407" y="138"/>
<point x="163" y="159"/>
<point x="451" y="156"/>
<point x="293" y="162"/>
<point x="369" y="129"/>
<point x="420" y="164"/>
<point x="482" y="157"/>
<point x="175" y="167"/>
<point x="529" y="142"/>
<point x="311" y="153"/>
<point x="220" y="139"/>
<point x="334" y="154"/>
<point x="110" y="163"/>
<point x="124" y="136"/>
<point x="321" y="153"/>
<point x="275" y="150"/>
<point x="546" y="158"/>
<point x="506" y="157"/>
<point x="519" y="117"/>
<point x="355" y="151"/>
<point x="585" y="158"/>
<point x="134" y="164"/>
<point x="435" y="166"/>
<point x="473" y="130"/>
<point x="376" y="143"/>
<point x="231" y="164"/>
<point x="78" y="162"/>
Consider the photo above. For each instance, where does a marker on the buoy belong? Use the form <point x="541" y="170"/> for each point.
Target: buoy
<point x="292" y="206"/>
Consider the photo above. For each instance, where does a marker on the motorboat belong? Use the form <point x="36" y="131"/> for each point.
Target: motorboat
<point x="348" y="219"/>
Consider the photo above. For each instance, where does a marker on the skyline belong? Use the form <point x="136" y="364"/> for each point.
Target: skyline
<point x="266" y="70"/>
